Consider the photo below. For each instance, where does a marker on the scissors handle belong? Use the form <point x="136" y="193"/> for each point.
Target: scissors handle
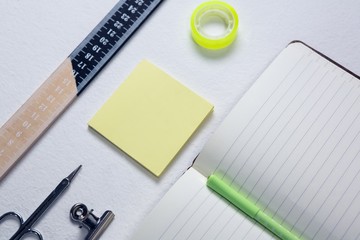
<point x="21" y="232"/>
<point x="12" y="215"/>
<point x="29" y="232"/>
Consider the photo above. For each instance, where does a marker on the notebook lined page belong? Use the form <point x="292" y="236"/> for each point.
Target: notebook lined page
<point x="292" y="146"/>
<point x="190" y="211"/>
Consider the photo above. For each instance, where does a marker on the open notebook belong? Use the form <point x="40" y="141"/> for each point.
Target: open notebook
<point x="291" y="145"/>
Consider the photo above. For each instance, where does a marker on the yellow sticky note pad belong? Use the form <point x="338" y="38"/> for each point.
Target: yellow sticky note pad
<point x="151" y="116"/>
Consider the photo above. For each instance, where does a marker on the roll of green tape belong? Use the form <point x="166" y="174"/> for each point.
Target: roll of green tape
<point x="214" y="10"/>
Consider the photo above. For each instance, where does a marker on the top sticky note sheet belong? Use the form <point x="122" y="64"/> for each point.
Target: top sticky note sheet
<point x="151" y="116"/>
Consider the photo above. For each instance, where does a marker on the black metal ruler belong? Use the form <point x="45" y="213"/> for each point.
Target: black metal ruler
<point x="108" y="37"/>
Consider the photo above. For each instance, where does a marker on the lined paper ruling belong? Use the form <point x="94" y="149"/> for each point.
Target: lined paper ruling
<point x="291" y="146"/>
<point x="151" y="116"/>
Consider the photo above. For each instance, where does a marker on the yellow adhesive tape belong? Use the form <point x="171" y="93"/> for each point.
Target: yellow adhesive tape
<point x="208" y="11"/>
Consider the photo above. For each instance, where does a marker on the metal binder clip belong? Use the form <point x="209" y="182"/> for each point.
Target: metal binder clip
<point x="96" y="226"/>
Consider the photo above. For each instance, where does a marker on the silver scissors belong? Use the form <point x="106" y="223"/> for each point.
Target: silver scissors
<point x="26" y="227"/>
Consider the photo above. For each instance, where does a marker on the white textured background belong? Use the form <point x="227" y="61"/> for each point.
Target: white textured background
<point x="37" y="35"/>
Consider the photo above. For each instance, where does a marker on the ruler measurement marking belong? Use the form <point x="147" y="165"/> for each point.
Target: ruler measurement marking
<point x="120" y="21"/>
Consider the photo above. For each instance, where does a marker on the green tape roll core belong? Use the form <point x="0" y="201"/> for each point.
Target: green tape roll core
<point x="218" y="9"/>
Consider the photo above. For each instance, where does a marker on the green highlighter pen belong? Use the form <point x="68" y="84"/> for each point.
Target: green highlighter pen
<point x="249" y="208"/>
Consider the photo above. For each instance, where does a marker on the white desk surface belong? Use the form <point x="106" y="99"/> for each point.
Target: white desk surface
<point x="37" y="35"/>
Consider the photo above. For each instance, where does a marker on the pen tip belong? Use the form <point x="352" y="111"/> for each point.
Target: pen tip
<point x="72" y="175"/>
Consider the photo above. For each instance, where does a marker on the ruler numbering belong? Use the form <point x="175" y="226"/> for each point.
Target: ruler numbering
<point x="106" y="39"/>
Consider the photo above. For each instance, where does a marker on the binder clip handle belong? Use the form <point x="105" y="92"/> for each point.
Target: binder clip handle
<point x="96" y="225"/>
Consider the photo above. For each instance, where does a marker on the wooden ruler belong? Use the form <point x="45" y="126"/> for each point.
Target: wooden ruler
<point x="70" y="78"/>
